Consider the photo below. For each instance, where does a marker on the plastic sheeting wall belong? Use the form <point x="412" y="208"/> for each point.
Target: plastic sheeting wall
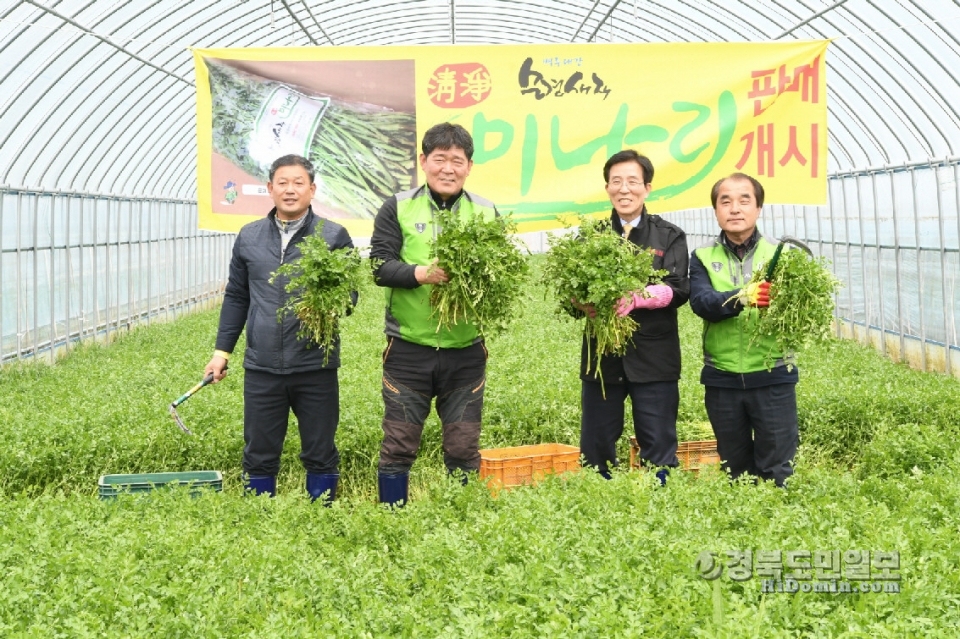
<point x="78" y="266"/>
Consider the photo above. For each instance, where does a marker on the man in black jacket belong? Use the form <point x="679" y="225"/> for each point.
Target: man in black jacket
<point x="282" y="371"/>
<point x="650" y="370"/>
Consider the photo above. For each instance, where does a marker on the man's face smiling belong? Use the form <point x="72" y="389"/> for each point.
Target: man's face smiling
<point x="627" y="189"/>
<point x="291" y="190"/>
<point x="446" y="170"/>
<point x="737" y="211"/>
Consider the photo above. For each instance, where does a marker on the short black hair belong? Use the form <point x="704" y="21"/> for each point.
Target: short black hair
<point x="629" y="155"/>
<point x="292" y="160"/>
<point x="447" y="136"/>
<point x="757" y="188"/>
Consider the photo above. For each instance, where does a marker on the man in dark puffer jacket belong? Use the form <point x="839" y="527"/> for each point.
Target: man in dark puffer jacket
<point x="282" y="371"/>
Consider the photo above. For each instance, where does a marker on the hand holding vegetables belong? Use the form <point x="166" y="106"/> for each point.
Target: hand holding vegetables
<point x="652" y="297"/>
<point x="591" y="271"/>
<point x="798" y="308"/>
<point x="755" y="294"/>
<point x="479" y="272"/>
<point x="322" y="285"/>
<point x="431" y="274"/>
<point x="586" y="309"/>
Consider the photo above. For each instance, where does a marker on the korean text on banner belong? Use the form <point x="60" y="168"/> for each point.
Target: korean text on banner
<point x="544" y="119"/>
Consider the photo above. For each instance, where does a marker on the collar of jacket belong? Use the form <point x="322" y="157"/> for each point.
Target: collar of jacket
<point x="747" y="246"/>
<point x="308" y="223"/>
<point x="439" y="201"/>
<point x="618" y="225"/>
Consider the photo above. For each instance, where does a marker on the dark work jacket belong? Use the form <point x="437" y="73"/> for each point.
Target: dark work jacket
<point x="654" y="355"/>
<point x="251" y="300"/>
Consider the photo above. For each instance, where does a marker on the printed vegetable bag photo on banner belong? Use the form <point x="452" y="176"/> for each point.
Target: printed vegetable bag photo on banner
<point x="544" y="118"/>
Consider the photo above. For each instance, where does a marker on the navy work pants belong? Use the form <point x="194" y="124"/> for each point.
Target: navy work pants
<point x="756" y="429"/>
<point x="412" y="376"/>
<point x="655" y="406"/>
<point x="313" y="396"/>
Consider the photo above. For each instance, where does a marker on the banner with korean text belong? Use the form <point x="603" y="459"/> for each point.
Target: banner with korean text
<point x="544" y="119"/>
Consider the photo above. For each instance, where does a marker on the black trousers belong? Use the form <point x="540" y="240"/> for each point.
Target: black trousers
<point x="412" y="376"/>
<point x="655" y="407"/>
<point x="756" y="429"/>
<point x="313" y="396"/>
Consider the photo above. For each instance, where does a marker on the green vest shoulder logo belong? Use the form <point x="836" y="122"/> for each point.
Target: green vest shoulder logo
<point x="420" y="226"/>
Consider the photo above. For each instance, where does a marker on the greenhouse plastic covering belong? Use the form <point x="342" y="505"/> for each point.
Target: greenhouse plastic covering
<point x="98" y="100"/>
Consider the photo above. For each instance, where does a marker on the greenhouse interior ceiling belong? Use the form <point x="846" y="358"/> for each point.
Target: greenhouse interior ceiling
<point x="99" y="96"/>
<point x="101" y="190"/>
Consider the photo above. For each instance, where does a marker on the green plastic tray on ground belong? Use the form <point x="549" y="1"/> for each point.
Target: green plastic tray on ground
<point x="113" y="485"/>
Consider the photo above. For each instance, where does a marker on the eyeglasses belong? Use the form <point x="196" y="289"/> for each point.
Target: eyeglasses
<point x="633" y="185"/>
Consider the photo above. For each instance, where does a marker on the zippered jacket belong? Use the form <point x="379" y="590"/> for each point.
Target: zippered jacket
<point x="716" y="276"/>
<point x="654" y="354"/>
<point x="251" y="301"/>
<point x="402" y="232"/>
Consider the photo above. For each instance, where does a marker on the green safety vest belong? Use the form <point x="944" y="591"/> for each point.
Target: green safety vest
<point x="725" y="343"/>
<point x="410" y="309"/>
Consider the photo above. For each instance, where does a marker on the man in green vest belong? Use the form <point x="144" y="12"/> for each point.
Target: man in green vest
<point x="421" y="362"/>
<point x="753" y="410"/>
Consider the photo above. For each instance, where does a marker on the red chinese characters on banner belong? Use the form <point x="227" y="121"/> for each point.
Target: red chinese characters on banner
<point x="805" y="79"/>
<point x="781" y="143"/>
<point x="455" y="86"/>
<point x="764" y="141"/>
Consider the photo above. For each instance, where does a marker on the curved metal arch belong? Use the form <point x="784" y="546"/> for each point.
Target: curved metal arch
<point x="838" y="70"/>
<point x="41" y="120"/>
<point x="899" y="112"/>
<point x="65" y="50"/>
<point x="106" y="142"/>
<point x="240" y="32"/>
<point x="543" y="23"/>
<point x="131" y="109"/>
<point x="164" y="147"/>
<point x="503" y="34"/>
<point x="386" y="12"/>
<point x="841" y="58"/>
<point x="105" y="39"/>
<point x="78" y="129"/>
<point x="104" y="119"/>
<point x="742" y="34"/>
<point x="848" y="108"/>
<point x="949" y="111"/>
<point x="392" y="28"/>
<point x="186" y="181"/>
<point x="296" y="19"/>
<point x="390" y="32"/>
<point x="640" y="31"/>
<point x="837" y="139"/>
<point x="189" y="124"/>
<point x="349" y="12"/>
<point x="150" y="141"/>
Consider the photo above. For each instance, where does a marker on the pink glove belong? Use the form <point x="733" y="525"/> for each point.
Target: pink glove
<point x="659" y="296"/>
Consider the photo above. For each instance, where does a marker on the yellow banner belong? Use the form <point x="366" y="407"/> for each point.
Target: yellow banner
<point x="544" y="119"/>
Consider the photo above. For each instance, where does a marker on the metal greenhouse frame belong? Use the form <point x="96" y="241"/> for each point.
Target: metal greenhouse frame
<point x="98" y="186"/>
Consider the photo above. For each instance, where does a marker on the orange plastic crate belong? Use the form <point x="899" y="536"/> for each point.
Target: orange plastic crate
<point x="692" y="455"/>
<point x="519" y="465"/>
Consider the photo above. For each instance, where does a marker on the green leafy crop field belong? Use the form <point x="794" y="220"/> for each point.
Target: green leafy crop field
<point x="576" y="556"/>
